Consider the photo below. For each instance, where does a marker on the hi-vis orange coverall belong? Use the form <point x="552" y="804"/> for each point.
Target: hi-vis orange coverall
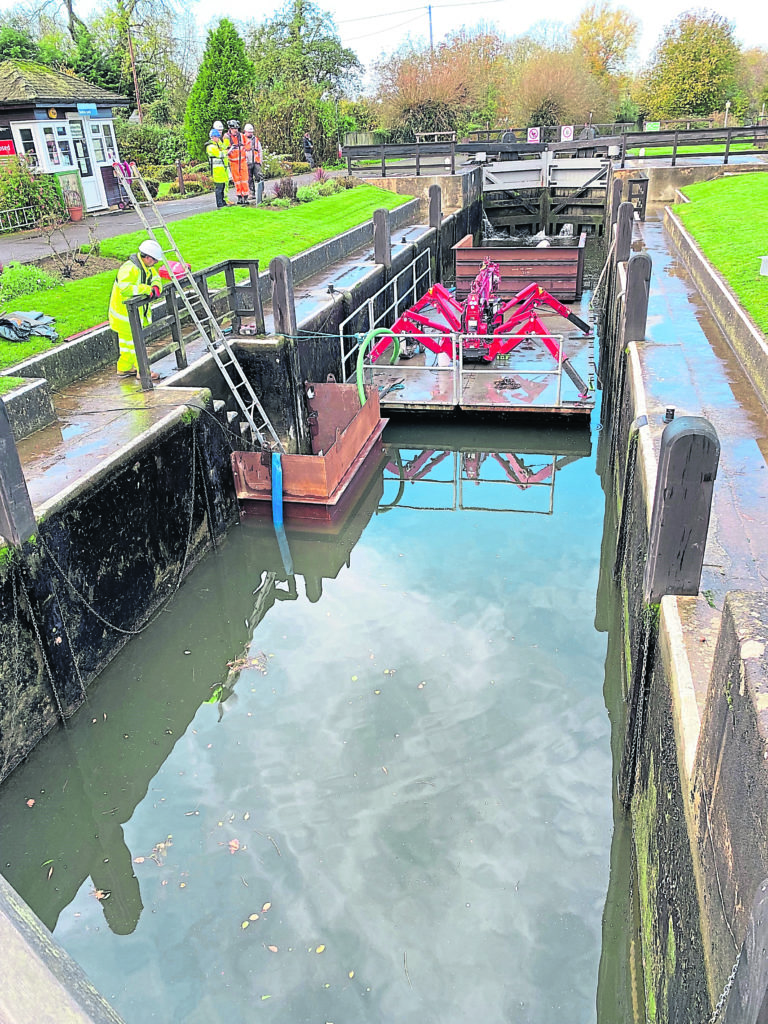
<point x="238" y="163"/>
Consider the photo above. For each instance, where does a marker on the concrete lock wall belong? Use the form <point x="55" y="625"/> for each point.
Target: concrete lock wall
<point x="695" y="786"/>
<point x="108" y="553"/>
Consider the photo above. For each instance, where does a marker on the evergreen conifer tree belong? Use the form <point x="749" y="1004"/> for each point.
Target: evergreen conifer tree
<point x="221" y="90"/>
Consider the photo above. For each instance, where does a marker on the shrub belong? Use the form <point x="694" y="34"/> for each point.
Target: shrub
<point x="297" y="166"/>
<point x="153" y="187"/>
<point x="285" y="188"/>
<point x="160" y="172"/>
<point x="347" y="182"/>
<point x="271" y="166"/>
<point x="328" y="188"/>
<point x="24" y="279"/>
<point x="19" y="187"/>
<point x="320" y="175"/>
<point x="149" y="143"/>
<point x="280" y="202"/>
<point x="307" y="193"/>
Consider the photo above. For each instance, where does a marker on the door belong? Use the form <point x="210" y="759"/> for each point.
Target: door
<point x="92" y="193"/>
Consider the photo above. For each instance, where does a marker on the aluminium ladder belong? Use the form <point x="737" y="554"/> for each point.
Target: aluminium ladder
<point x="261" y="429"/>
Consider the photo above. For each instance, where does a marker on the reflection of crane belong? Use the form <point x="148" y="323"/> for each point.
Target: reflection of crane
<point x="467" y="467"/>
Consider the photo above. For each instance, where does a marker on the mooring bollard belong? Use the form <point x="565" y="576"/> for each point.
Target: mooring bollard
<point x="636" y="298"/>
<point x="690" y="451"/>
<point x="283" y="300"/>
<point x="624" y="225"/>
<point x="382" y="238"/>
<point x="17" y="517"/>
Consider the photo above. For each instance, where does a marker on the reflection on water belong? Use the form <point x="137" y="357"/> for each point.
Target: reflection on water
<point x="364" y="779"/>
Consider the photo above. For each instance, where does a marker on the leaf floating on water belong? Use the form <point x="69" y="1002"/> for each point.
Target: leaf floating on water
<point x="377" y="692"/>
<point x="272" y="949"/>
<point x="245" y="924"/>
<point x="320" y="949"/>
<point x="354" y="679"/>
<point x="101" y="894"/>
<point x="421" y="685"/>
<point x="234" y="845"/>
<point x="139" y="860"/>
<point x="266" y="997"/>
<point x="351" y="974"/>
<point x="30" y="802"/>
<point x="50" y="872"/>
<point x="265" y="908"/>
<point x="246" y="816"/>
<point x="254" y="917"/>
<point x="46" y="863"/>
<point x="384" y="770"/>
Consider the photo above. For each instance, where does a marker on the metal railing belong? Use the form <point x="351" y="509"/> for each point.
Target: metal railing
<point x="382" y="309"/>
<point x="474" y="369"/>
<point x="17" y="218"/>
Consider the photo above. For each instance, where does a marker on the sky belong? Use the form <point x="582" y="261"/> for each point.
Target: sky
<point x="378" y="27"/>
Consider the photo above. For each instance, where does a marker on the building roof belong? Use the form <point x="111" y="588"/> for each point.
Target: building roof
<point x="22" y="82"/>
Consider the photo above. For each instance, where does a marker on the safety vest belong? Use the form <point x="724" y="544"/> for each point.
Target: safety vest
<point x="217" y="159"/>
<point x="133" y="278"/>
<point x="253" y="153"/>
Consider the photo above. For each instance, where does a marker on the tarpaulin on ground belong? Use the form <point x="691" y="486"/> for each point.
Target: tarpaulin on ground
<point x="21" y="326"/>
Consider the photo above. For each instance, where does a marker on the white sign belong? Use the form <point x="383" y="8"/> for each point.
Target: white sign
<point x="534" y="134"/>
<point x="566" y="133"/>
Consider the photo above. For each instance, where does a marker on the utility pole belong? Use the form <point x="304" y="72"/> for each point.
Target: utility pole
<point x="431" y="46"/>
<point x="133" y="69"/>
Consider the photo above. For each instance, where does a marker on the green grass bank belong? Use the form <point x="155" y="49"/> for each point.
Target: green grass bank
<point x="204" y="239"/>
<point x="727" y="217"/>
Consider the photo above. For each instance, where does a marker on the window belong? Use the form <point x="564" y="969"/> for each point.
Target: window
<point x="64" y="145"/>
<point x="98" y="144"/>
<point x="53" y="149"/>
<point x="28" y="146"/>
<point x="109" y="138"/>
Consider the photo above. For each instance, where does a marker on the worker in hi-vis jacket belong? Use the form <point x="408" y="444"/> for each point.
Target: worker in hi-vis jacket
<point x="137" y="276"/>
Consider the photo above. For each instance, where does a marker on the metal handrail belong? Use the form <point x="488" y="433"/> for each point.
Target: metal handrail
<point x="415" y="289"/>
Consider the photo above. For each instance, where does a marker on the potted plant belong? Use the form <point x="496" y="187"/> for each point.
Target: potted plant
<point x="74" y="203"/>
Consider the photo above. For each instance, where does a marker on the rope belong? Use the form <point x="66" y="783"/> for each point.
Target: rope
<point x="39" y="639"/>
<point x="69" y="640"/>
<point x="607" y="264"/>
<point x="83" y="600"/>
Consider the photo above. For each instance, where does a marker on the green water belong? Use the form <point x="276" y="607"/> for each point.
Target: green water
<point x="409" y="761"/>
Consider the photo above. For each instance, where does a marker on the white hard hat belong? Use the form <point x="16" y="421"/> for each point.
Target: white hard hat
<point x="151" y="248"/>
<point x="248" y="128"/>
<point x="218" y="125"/>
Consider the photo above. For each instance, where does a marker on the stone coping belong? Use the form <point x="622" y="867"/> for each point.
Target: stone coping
<point x="743" y="335"/>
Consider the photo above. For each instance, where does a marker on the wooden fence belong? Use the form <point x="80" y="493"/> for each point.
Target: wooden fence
<point x="558" y="269"/>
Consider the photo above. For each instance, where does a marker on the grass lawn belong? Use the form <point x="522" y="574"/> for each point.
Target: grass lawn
<point x="9" y="383"/>
<point x="232" y="233"/>
<point x="737" y="147"/>
<point x="727" y="218"/>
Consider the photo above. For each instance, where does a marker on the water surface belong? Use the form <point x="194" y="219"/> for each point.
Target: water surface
<point x="378" y="789"/>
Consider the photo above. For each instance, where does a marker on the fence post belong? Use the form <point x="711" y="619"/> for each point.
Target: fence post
<point x="624" y="224"/>
<point x="140" y="346"/>
<point x="382" y="238"/>
<point x="436" y="222"/>
<point x="418" y="160"/>
<point x="453" y="157"/>
<point x="636" y="299"/>
<point x="690" y="451"/>
<point x="674" y="149"/>
<point x="180" y="177"/>
<point x="618" y="186"/>
<point x="283" y="300"/>
<point x="383" y="162"/>
<point x="172" y="312"/>
<point x="727" y="146"/>
<point x="17" y="517"/>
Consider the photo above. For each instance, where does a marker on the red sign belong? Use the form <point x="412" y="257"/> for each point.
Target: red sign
<point x="7" y="147"/>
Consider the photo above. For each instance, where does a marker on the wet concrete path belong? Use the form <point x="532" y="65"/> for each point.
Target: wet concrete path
<point x="688" y="364"/>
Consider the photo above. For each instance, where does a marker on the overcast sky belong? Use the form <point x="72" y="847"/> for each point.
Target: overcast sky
<point x="380" y="26"/>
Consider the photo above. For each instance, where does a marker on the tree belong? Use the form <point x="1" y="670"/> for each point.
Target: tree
<point x="558" y="88"/>
<point x="17" y="45"/>
<point x="97" y="66"/>
<point x="693" y="68"/>
<point x="221" y="88"/>
<point x="300" y="46"/>
<point x="606" y="37"/>
<point x="752" y="78"/>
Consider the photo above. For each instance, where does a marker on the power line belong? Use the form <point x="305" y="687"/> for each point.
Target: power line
<point x="411" y="10"/>
<point x="391" y="28"/>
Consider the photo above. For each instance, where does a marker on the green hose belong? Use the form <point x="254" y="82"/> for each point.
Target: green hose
<point x="364" y="346"/>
